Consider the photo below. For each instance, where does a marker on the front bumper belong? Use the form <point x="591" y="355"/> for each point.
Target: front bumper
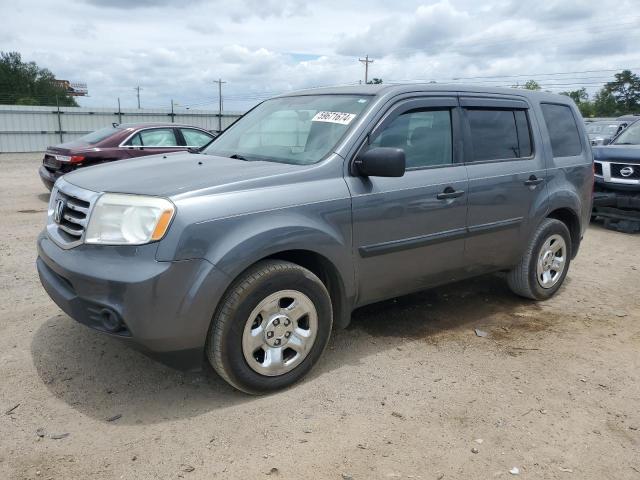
<point x="164" y="308"/>
<point x="616" y="204"/>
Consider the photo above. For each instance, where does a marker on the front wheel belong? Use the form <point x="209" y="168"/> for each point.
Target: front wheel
<point x="545" y="263"/>
<point x="270" y="328"/>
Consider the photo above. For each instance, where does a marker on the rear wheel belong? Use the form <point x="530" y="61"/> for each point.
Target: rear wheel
<point x="271" y="327"/>
<point x="545" y="263"/>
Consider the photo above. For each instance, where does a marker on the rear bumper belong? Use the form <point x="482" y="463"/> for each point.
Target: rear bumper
<point x="162" y="308"/>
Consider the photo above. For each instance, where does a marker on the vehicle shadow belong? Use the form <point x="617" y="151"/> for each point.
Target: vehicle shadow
<point x="102" y="377"/>
<point x="443" y="316"/>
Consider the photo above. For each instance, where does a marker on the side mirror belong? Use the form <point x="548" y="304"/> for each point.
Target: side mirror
<point x="606" y="141"/>
<point x="381" y="162"/>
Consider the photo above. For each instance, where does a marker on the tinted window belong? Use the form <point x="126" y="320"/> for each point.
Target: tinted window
<point x="158" y="137"/>
<point x="562" y="128"/>
<point x="195" y="138"/>
<point x="424" y="135"/>
<point x="499" y="134"/>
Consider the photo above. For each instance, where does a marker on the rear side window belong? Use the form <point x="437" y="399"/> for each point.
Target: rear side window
<point x="159" y="137"/>
<point x="562" y="128"/>
<point x="499" y="134"/>
<point x="195" y="138"/>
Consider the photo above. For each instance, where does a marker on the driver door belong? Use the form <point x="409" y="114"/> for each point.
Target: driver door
<point x="409" y="231"/>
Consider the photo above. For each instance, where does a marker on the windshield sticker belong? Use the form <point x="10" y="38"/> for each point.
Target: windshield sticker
<point x="334" y="117"/>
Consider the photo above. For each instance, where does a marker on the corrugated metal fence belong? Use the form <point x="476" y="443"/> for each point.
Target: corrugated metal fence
<point x="32" y="129"/>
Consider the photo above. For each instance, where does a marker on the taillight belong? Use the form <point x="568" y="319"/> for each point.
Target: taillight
<point x="76" y="159"/>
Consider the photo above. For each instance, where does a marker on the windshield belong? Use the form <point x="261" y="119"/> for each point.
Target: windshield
<point x="630" y="136"/>
<point x="98" y="135"/>
<point x="297" y="130"/>
<point x="603" y="128"/>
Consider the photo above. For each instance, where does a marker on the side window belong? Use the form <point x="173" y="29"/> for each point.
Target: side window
<point x="424" y="135"/>
<point x="562" y="128"/>
<point x="158" y="137"/>
<point x="195" y="138"/>
<point x="135" y="140"/>
<point x="499" y="134"/>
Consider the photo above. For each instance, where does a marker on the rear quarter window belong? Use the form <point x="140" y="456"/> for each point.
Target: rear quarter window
<point x="563" y="130"/>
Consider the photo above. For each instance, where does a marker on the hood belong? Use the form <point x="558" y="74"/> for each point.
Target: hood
<point x="617" y="153"/>
<point x="178" y="174"/>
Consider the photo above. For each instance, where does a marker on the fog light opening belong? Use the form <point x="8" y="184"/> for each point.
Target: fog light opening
<point x="110" y="321"/>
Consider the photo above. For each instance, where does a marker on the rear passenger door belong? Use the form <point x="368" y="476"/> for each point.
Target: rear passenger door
<point x="507" y="177"/>
<point x="408" y="232"/>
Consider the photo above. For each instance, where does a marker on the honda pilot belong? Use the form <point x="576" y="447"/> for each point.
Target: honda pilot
<point x="249" y="252"/>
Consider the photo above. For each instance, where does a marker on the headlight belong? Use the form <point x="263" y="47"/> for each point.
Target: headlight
<point x="119" y="219"/>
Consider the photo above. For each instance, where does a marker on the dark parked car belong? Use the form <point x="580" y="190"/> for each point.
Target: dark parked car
<point x="602" y="132"/>
<point x="617" y="189"/>
<point x="311" y="205"/>
<point x="117" y="142"/>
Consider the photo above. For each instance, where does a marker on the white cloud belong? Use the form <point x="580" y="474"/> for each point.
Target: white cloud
<point x="175" y="48"/>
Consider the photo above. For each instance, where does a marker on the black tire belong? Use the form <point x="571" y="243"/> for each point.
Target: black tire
<point x="523" y="279"/>
<point x="224" y="343"/>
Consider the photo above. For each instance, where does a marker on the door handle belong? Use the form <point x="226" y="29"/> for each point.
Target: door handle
<point x="448" y="193"/>
<point x="533" y="181"/>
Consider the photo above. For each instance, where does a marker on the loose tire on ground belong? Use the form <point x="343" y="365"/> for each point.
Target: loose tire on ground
<point x="253" y="304"/>
<point x="524" y="279"/>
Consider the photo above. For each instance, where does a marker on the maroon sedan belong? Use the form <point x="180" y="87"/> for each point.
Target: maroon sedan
<point x="118" y="142"/>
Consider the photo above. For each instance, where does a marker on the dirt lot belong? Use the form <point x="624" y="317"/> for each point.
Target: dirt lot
<point x="406" y="392"/>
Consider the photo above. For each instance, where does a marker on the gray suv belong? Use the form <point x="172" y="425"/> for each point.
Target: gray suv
<point x="315" y="203"/>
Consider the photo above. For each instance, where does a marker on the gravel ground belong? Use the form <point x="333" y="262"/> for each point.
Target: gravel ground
<point x="408" y="391"/>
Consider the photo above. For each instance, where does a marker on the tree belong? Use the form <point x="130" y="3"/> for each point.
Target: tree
<point x="375" y="81"/>
<point x="24" y="83"/>
<point x="532" y="85"/>
<point x="605" y="104"/>
<point x="626" y="90"/>
<point x="578" y="96"/>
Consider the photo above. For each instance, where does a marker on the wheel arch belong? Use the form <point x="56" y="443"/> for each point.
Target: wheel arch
<point x="327" y="272"/>
<point x="571" y="219"/>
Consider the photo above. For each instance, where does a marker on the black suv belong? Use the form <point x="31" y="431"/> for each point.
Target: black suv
<point x="617" y="177"/>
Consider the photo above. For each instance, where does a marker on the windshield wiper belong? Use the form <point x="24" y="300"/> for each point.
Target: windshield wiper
<point x="625" y="143"/>
<point x="236" y="156"/>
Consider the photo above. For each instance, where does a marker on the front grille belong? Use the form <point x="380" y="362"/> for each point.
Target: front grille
<point x="598" y="168"/>
<point x="617" y="167"/>
<point x="69" y="211"/>
<point x="73" y="217"/>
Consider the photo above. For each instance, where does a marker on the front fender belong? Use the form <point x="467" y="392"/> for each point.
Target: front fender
<point x="234" y="243"/>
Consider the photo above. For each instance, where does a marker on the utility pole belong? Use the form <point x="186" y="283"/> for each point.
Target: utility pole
<point x="219" y="82"/>
<point x="137" y="89"/>
<point x="366" y="62"/>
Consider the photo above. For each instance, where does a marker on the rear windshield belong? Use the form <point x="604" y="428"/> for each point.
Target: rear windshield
<point x="99" y="135"/>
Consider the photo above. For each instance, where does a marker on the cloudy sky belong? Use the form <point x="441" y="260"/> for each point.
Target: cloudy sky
<point x="176" y="48"/>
